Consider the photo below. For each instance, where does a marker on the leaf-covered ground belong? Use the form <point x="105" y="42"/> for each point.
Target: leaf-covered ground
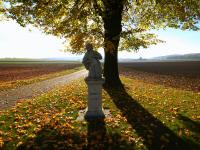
<point x="143" y="116"/>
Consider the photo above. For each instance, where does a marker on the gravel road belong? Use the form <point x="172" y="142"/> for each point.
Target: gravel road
<point x="9" y="97"/>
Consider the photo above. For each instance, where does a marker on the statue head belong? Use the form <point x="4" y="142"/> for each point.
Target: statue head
<point x="89" y="46"/>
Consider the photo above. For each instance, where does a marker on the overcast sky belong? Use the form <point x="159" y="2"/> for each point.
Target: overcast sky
<point x="19" y="42"/>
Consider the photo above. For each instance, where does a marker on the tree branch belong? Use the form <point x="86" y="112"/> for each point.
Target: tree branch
<point x="97" y="7"/>
<point x="131" y="31"/>
<point x="75" y="10"/>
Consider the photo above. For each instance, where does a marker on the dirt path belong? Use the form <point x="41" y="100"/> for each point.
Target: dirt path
<point x="8" y="98"/>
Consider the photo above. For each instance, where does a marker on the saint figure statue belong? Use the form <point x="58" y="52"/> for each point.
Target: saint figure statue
<point x="92" y="63"/>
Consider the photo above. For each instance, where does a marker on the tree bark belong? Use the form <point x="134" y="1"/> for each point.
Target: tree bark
<point x="111" y="72"/>
<point x="112" y="27"/>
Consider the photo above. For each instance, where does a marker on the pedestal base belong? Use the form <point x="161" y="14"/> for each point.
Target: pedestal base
<point x="82" y="114"/>
<point x="94" y="115"/>
<point x="94" y="110"/>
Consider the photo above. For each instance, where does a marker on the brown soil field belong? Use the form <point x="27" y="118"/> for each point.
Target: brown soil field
<point x="181" y="75"/>
<point x="13" y="72"/>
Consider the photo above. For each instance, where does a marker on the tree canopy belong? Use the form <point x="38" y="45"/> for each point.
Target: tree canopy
<point x="2" y="16"/>
<point x="112" y="24"/>
<point x="82" y="20"/>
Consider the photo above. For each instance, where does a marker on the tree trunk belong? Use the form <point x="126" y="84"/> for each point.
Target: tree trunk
<point x="111" y="72"/>
<point x="112" y="27"/>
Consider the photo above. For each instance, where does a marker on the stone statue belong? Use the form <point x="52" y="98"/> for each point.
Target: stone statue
<point x="92" y="63"/>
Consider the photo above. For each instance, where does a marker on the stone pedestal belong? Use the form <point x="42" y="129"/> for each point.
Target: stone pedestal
<point x="94" y="109"/>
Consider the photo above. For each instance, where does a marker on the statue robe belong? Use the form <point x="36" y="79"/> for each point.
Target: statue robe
<point x="92" y="63"/>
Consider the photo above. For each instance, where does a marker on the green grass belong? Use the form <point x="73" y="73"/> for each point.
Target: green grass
<point x="143" y="116"/>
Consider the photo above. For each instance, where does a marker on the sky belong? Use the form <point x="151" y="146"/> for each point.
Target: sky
<point x="19" y="42"/>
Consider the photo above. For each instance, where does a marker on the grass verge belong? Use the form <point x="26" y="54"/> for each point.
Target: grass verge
<point x="18" y="83"/>
<point x="143" y="116"/>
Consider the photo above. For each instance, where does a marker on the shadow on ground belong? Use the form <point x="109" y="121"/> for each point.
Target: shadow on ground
<point x="99" y="139"/>
<point x="155" y="134"/>
<point x="194" y="126"/>
<point x="96" y="138"/>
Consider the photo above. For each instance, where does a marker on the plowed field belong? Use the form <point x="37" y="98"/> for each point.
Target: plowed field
<point x="12" y="72"/>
